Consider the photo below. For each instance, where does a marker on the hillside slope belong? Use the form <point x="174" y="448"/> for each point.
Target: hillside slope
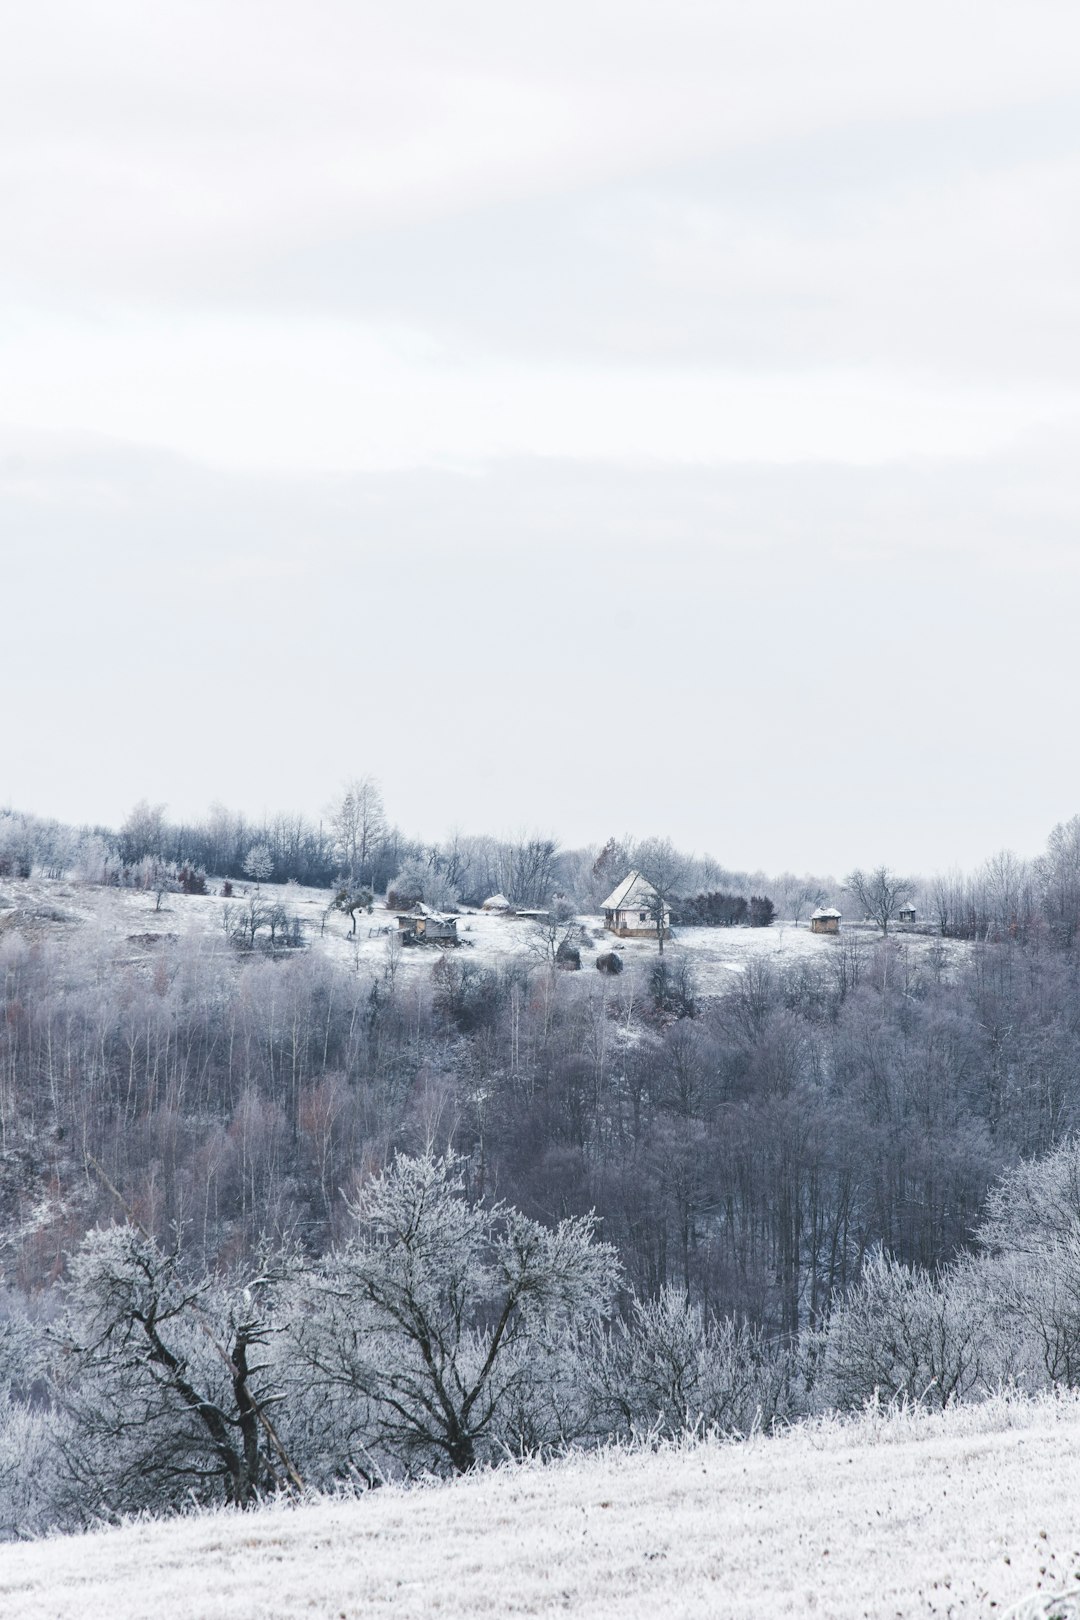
<point x="964" y="1513"/>
<point x="128" y="923"/>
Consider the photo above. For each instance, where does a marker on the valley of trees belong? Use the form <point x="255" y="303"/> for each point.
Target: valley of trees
<point x="269" y="1220"/>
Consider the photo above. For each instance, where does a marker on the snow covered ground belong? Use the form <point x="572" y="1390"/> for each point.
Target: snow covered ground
<point x="61" y="909"/>
<point x="970" y="1512"/>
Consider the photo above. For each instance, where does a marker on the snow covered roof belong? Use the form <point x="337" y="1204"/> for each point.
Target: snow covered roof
<point x="825" y="911"/>
<point x="420" y="910"/>
<point x="496" y="902"/>
<point x="634" y="890"/>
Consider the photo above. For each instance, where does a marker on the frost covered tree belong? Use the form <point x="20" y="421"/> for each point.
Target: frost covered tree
<point x="1035" y="1204"/>
<point x="441" y="1313"/>
<point x="143" y="833"/>
<point x="426" y="880"/>
<point x="1059" y="877"/>
<point x="163" y="1378"/>
<point x="259" y="863"/>
<point x="1031" y="1231"/>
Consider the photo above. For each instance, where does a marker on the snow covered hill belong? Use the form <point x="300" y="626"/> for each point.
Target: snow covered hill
<point x="130" y="923"/>
<point x="970" y="1512"/>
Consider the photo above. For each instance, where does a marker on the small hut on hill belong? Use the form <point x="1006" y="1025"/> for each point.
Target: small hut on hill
<point x="906" y="914"/>
<point x="825" y="920"/>
<point x="631" y="909"/>
<point x="422" y="926"/>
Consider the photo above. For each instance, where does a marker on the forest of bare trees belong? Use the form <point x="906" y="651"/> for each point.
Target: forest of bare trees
<point x="188" y="1150"/>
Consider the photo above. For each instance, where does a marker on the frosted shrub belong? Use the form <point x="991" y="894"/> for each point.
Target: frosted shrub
<point x="30" y="1489"/>
<point x="28" y="1430"/>
<point x="1034" y="1204"/>
<point x="417" y="880"/>
<point x="1042" y="1295"/>
<point x="1032" y="1234"/>
<point x="93" y="860"/>
<point x="670" y="1369"/>
<point x="902" y="1332"/>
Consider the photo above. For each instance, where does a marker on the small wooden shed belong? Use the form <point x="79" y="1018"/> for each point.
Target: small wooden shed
<point x="422" y="926"/>
<point x="825" y="920"/>
<point x="906" y="914"/>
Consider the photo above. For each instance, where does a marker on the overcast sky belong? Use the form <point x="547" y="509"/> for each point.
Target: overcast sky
<point x="595" y="417"/>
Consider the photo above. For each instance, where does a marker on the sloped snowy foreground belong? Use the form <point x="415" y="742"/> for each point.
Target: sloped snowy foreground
<point x="966" y="1513"/>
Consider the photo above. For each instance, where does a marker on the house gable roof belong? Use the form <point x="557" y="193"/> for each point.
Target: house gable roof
<point x="825" y="911"/>
<point x="634" y="890"/>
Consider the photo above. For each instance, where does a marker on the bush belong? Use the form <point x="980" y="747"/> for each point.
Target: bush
<point x="568" y="957"/>
<point x="762" y="911"/>
<point x="670" y="1369"/>
<point x="713" y="910"/>
<point x="673" y="989"/>
<point x="904" y="1333"/>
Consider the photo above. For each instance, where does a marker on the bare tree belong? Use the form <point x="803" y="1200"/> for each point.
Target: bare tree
<point x="1059" y="876"/>
<point x="241" y="923"/>
<point x="358" y="820"/>
<point x="525" y="868"/>
<point x="880" y="893"/>
<point x="796" y="894"/>
<point x="664" y="868"/>
<point x="554" y="934"/>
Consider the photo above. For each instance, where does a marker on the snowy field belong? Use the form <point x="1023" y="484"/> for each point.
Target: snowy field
<point x="61" y="910"/>
<point x="971" y="1512"/>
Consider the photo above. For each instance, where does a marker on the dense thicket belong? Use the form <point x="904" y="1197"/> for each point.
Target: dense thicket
<point x="754" y="1152"/>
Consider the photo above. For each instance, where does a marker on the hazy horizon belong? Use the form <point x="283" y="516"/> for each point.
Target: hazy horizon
<point x="596" y="421"/>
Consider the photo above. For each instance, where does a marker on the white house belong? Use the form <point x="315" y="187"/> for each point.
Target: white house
<point x="631" y="908"/>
